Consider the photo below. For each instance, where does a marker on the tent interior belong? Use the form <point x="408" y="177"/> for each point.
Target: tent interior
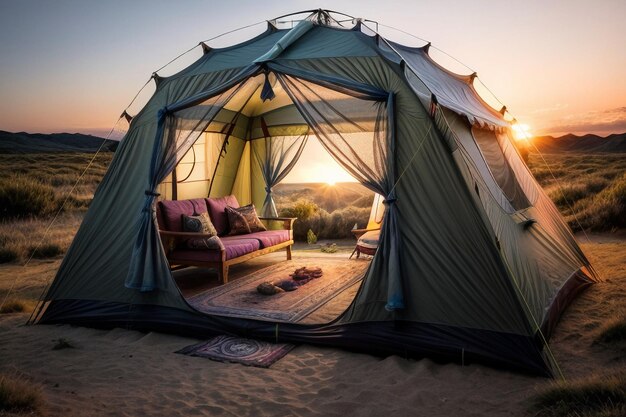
<point x="249" y="146"/>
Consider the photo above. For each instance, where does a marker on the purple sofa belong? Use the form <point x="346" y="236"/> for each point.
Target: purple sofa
<point x="235" y="249"/>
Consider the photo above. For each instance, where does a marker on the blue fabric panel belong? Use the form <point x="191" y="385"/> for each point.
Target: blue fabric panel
<point x="325" y="42"/>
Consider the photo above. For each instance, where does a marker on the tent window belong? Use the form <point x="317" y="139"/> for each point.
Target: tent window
<point x="499" y="166"/>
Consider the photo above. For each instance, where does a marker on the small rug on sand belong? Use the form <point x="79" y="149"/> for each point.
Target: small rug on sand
<point x="238" y="350"/>
<point x="239" y="298"/>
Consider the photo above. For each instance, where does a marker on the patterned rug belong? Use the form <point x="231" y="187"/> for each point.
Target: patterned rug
<point x="238" y="350"/>
<point x="239" y="297"/>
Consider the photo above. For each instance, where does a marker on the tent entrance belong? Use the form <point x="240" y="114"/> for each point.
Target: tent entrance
<point x="253" y="142"/>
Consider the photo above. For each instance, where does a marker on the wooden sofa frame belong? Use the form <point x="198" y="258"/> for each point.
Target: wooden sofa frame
<point x="222" y="265"/>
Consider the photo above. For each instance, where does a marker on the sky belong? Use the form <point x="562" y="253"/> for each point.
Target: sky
<point x="74" y="65"/>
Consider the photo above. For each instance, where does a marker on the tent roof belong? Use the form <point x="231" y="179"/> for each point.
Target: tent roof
<point x="309" y="40"/>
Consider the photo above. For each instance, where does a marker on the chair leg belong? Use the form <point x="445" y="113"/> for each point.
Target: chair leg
<point x="222" y="274"/>
<point x="288" y="249"/>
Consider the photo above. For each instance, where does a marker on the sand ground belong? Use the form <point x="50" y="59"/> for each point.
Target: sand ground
<point x="127" y="373"/>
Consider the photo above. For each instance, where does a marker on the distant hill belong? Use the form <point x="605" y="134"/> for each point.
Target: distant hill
<point x="23" y="142"/>
<point x="615" y="143"/>
<point x="328" y="197"/>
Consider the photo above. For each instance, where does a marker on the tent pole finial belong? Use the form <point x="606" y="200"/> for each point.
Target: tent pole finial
<point x="126" y="116"/>
<point x="157" y="78"/>
<point x="205" y="48"/>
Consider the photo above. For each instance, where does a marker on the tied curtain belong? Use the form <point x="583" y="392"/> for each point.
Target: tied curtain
<point x="276" y="156"/>
<point x="178" y="129"/>
<point x="354" y="123"/>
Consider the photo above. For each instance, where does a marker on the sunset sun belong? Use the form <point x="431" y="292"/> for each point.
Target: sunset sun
<point x="521" y="131"/>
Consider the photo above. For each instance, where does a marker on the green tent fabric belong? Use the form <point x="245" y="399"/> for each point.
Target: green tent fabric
<point x="474" y="262"/>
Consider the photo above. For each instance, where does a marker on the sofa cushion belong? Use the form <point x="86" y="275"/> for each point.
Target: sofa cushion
<point x="234" y="248"/>
<point x="173" y="210"/>
<point x="203" y="243"/>
<point x="269" y="237"/>
<point x="217" y="211"/>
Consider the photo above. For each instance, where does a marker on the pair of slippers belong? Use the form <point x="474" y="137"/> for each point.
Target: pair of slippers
<point x="306" y="273"/>
<point x="300" y="277"/>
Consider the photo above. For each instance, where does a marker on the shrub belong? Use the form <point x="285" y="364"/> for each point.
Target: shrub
<point x="12" y="306"/>
<point x="335" y="225"/>
<point x="606" y="210"/>
<point x="329" y="248"/>
<point x="25" y="197"/>
<point x="613" y="331"/>
<point x="46" y="250"/>
<point x="8" y="255"/>
<point x="18" y="395"/>
<point x="597" y="396"/>
<point x="302" y="209"/>
<point x="62" y="343"/>
<point x="568" y="194"/>
<point x="365" y="201"/>
<point x="311" y="239"/>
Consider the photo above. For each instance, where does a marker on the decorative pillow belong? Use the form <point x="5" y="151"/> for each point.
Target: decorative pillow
<point x="172" y="210"/>
<point x="200" y="224"/>
<point x="249" y="213"/>
<point x="238" y="223"/>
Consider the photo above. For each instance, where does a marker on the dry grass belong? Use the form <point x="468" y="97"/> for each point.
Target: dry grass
<point x="592" y="396"/>
<point x="590" y="188"/>
<point x="587" y="188"/>
<point x="325" y="225"/>
<point x="16" y="305"/>
<point x="20" y="238"/>
<point x="19" y="396"/>
<point x="37" y="189"/>
<point x="613" y="331"/>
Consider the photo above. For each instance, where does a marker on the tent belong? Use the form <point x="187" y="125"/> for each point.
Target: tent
<point x="474" y="262"/>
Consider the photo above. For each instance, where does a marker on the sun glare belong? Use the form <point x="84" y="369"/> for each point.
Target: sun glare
<point x="329" y="174"/>
<point x="521" y="131"/>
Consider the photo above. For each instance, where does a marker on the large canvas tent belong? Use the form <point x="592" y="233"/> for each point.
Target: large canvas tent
<point x="474" y="261"/>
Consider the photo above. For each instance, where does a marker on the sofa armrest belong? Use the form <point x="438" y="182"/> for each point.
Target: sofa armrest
<point x="360" y="232"/>
<point x="287" y="221"/>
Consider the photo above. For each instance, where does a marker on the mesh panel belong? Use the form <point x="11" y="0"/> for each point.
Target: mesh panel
<point x="276" y="156"/>
<point x="353" y="131"/>
<point x="499" y="167"/>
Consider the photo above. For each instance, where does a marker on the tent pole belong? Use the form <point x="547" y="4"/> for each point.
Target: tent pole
<point x="174" y="184"/>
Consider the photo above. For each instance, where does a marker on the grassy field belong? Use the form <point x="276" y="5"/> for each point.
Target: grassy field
<point x="329" y="211"/>
<point x="33" y="189"/>
<point x="589" y="190"/>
